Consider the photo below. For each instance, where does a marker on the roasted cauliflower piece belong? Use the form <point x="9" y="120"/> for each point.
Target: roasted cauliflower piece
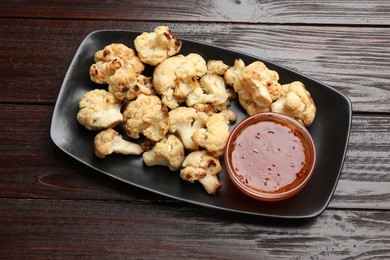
<point x="257" y="87"/>
<point x="154" y="47"/>
<point x="168" y="152"/>
<point x="176" y="76"/>
<point x="213" y="136"/>
<point x="216" y="67"/>
<point x="109" y="141"/>
<point x="212" y="90"/>
<point x="110" y="59"/>
<point x="146" y="115"/>
<point x="127" y="84"/>
<point x="202" y="167"/>
<point x="232" y="73"/>
<point x="296" y="102"/>
<point x="99" y="109"/>
<point x="184" y="121"/>
<point x="101" y="71"/>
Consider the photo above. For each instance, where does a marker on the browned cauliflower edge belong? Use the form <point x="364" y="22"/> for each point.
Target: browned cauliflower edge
<point x="168" y="152"/>
<point x="155" y="47"/>
<point x="112" y="58"/>
<point x="296" y="102"/>
<point x="146" y="115"/>
<point x="126" y="84"/>
<point x="257" y="87"/>
<point x="212" y="91"/>
<point x="202" y="167"/>
<point x="214" y="135"/>
<point x="176" y="76"/>
<point x="110" y="141"/>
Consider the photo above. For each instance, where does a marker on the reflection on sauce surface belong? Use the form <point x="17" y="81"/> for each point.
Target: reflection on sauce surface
<point x="268" y="156"/>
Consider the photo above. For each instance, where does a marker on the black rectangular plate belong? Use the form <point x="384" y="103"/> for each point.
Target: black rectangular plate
<point x="330" y="132"/>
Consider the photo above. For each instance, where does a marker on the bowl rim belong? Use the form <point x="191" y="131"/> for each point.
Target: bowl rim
<point x="262" y="117"/>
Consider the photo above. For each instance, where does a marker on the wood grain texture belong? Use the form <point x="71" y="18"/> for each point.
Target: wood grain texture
<point x="66" y="229"/>
<point x="355" y="12"/>
<point x="367" y="165"/>
<point x="354" y="60"/>
<point x="34" y="167"/>
<point x="52" y="207"/>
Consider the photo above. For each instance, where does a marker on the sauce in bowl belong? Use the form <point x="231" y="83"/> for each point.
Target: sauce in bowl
<point x="270" y="156"/>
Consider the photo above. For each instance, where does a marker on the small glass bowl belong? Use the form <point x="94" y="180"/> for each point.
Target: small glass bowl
<point x="283" y="192"/>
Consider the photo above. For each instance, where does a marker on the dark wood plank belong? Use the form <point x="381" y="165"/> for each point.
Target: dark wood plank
<point x="352" y="60"/>
<point x="61" y="229"/>
<point x="248" y="11"/>
<point x="33" y="167"/>
<point x="367" y="165"/>
<point x="52" y="207"/>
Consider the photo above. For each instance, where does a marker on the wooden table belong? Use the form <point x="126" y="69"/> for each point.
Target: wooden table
<point x="52" y="207"/>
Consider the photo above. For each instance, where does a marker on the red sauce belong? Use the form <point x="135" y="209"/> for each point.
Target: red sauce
<point x="268" y="156"/>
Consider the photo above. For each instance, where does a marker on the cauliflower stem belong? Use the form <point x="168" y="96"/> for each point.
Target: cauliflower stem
<point x="185" y="121"/>
<point x="210" y="183"/>
<point x="202" y="167"/>
<point x="110" y="141"/>
<point x="168" y="152"/>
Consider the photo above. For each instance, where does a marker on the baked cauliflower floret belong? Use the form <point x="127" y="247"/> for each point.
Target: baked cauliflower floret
<point x="101" y="71"/>
<point x="127" y="84"/>
<point x="168" y="152"/>
<point x="176" y="76"/>
<point x="216" y="67"/>
<point x="110" y="141"/>
<point x="99" y="109"/>
<point x="257" y="87"/>
<point x="156" y="46"/>
<point x="202" y="167"/>
<point x="184" y="121"/>
<point x="121" y="52"/>
<point x="212" y="90"/>
<point x="296" y="102"/>
<point x="110" y="59"/>
<point x="232" y="73"/>
<point x="146" y="115"/>
<point x="214" y="135"/>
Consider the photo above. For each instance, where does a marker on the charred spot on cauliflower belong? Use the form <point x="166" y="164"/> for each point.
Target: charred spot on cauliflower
<point x="125" y="84"/>
<point x="119" y="67"/>
<point x="110" y="59"/>
<point x="176" y="76"/>
<point x="202" y="167"/>
<point x="99" y="109"/>
<point x="110" y="141"/>
<point x="296" y="102"/>
<point x="154" y="47"/>
<point x="167" y="152"/>
<point x="216" y="67"/>
<point x="146" y="115"/>
<point x="257" y="87"/>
